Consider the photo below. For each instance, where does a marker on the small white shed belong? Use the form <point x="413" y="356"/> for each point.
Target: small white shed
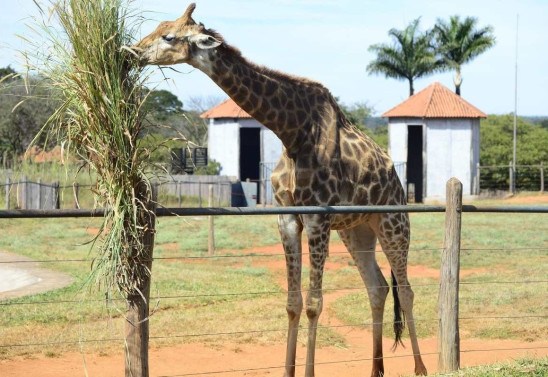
<point x="435" y="135"/>
<point x="244" y="147"/>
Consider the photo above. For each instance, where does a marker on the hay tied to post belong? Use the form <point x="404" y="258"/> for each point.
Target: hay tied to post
<point x="100" y="119"/>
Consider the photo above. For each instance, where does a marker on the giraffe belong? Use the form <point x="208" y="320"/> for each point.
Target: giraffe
<point x="326" y="161"/>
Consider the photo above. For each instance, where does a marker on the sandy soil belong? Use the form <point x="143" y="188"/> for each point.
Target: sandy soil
<point x="251" y="360"/>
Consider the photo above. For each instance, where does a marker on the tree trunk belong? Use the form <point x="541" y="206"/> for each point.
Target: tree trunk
<point x="457" y="80"/>
<point x="411" y="88"/>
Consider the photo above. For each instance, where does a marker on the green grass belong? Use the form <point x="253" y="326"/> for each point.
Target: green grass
<point x="516" y="368"/>
<point x="196" y="283"/>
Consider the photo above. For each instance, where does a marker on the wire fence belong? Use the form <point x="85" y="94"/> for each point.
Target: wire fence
<point x="181" y="299"/>
<point x="499" y="178"/>
<point x="177" y="191"/>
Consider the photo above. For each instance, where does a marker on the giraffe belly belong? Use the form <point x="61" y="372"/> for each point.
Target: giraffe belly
<point x="347" y="221"/>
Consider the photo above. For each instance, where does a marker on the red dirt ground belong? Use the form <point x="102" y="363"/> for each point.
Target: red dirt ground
<point x="260" y="361"/>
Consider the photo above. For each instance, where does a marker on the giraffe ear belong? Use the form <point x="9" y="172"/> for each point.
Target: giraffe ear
<point x="205" y="41"/>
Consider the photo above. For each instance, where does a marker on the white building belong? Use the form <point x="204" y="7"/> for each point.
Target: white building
<point x="244" y="147"/>
<point x="433" y="136"/>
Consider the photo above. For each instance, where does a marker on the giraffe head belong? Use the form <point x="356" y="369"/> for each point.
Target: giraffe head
<point x="179" y="41"/>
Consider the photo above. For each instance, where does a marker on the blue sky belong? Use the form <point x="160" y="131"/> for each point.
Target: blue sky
<point x="327" y="40"/>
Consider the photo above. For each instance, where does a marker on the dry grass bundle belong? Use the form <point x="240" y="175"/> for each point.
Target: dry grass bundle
<point x="100" y="119"/>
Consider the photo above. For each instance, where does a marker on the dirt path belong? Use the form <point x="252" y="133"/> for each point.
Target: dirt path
<point x="22" y="276"/>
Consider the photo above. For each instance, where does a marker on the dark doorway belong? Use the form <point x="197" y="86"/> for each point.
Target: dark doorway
<point x="415" y="173"/>
<point x="250" y="155"/>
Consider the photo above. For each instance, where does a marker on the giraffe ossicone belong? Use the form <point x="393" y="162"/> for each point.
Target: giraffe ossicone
<point x="326" y="161"/>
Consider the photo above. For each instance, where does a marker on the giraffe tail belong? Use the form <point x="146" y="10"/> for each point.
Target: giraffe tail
<point x="399" y="315"/>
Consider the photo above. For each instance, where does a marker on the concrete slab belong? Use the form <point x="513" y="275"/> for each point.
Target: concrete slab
<point x="21" y="276"/>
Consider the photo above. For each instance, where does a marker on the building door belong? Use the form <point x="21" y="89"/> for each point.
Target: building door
<point x="415" y="166"/>
<point x="250" y="155"/>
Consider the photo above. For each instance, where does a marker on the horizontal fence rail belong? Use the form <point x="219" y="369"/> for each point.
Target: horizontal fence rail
<point x="302" y="210"/>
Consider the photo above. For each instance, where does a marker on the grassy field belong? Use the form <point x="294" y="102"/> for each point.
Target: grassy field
<point x="201" y="295"/>
<point x="517" y="368"/>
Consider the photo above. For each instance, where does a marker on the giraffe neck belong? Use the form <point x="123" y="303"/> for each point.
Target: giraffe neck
<point x="282" y="103"/>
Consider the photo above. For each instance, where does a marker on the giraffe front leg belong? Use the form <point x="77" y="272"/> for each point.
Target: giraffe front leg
<point x="317" y="229"/>
<point x="291" y="230"/>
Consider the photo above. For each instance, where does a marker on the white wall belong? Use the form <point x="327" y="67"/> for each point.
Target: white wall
<point x="224" y="145"/>
<point x="271" y="146"/>
<point x="449" y="154"/>
<point x="397" y="140"/>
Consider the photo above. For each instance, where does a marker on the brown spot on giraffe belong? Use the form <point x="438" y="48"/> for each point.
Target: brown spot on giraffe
<point x="326" y="161"/>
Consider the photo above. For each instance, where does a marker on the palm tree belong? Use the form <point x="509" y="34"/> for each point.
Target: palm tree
<point x="458" y="42"/>
<point x="410" y="56"/>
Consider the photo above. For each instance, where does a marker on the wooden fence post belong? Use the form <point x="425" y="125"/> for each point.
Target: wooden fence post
<point x="448" y="301"/>
<point x="211" y="234"/>
<point x="138" y="303"/>
<point x="76" y="193"/>
<point x="179" y="194"/>
<point x="24" y="187"/>
<point x="8" y="189"/>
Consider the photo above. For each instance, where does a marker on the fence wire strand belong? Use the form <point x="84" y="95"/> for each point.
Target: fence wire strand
<point x="279" y="255"/>
<point x="266" y="293"/>
<point x="238" y="333"/>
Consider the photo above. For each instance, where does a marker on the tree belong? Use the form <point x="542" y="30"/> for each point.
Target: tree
<point x="356" y="113"/>
<point x="7" y="71"/>
<point x="359" y="114"/>
<point x="409" y="57"/>
<point x="162" y="103"/>
<point x="24" y="110"/>
<point x="496" y="135"/>
<point x="458" y="42"/>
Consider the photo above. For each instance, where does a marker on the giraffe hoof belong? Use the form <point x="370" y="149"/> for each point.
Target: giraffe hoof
<point x="421" y="371"/>
<point x="377" y="373"/>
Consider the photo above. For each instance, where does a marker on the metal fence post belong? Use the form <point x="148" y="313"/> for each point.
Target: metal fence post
<point x="478" y="177"/>
<point x="448" y="301"/>
<point x="542" y="177"/>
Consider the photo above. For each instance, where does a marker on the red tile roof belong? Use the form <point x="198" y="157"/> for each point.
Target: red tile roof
<point x="435" y="101"/>
<point x="227" y="109"/>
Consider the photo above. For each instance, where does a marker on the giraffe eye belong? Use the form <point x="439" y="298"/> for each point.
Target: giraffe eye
<point x="168" y="38"/>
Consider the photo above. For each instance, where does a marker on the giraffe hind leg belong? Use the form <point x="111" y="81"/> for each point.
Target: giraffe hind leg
<point x="360" y="242"/>
<point x="393" y="232"/>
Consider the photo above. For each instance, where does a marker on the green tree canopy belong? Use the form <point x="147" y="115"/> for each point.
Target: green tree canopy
<point x="410" y="56"/>
<point x="7" y="71"/>
<point x="459" y="41"/>
<point x="497" y="140"/>
<point x="162" y="103"/>
<point x="24" y="110"/>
